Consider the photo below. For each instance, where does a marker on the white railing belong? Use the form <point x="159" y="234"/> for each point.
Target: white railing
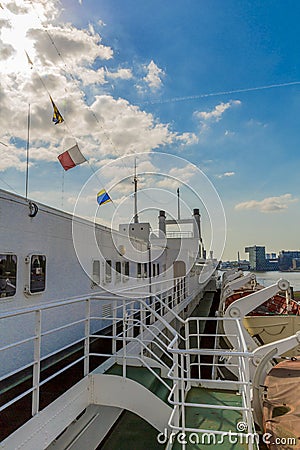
<point x="189" y="357"/>
<point x="80" y="332"/>
<point x="141" y="331"/>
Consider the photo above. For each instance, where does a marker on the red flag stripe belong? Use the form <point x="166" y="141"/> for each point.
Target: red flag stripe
<point x="66" y="161"/>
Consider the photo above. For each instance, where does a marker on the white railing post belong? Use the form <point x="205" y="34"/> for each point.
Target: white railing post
<point x="182" y="379"/>
<point x="124" y="338"/>
<point x="188" y="356"/>
<point x="114" y="331"/>
<point x="37" y="363"/>
<point x="215" y="359"/>
<point x="130" y="321"/>
<point x="245" y="377"/>
<point x="87" y="326"/>
<point x="142" y="325"/>
<point x="248" y="395"/>
<point x="176" y="390"/>
<point x="182" y="388"/>
<point x="198" y="346"/>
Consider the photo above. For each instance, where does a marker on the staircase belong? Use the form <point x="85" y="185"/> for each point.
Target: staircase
<point x="153" y="370"/>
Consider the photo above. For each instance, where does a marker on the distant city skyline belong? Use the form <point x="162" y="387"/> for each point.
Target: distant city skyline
<point x="269" y="254"/>
<point x="216" y="83"/>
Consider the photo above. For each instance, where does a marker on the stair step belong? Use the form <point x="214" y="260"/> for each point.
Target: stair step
<point x="160" y="390"/>
<point x="139" y="374"/>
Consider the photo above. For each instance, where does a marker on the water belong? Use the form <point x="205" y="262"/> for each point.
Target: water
<point x="268" y="278"/>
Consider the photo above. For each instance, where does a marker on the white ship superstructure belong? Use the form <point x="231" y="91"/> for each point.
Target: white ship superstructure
<point x="69" y="306"/>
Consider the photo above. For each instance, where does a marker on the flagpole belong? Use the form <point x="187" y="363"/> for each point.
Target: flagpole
<point x="135" y="181"/>
<point x="178" y="204"/>
<point x="27" y="152"/>
<point x="62" y="188"/>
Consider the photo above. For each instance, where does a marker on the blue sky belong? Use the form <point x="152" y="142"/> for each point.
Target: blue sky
<point x="216" y="83"/>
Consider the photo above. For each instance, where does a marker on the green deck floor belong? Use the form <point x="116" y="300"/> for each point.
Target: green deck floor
<point x="212" y="419"/>
<point x="133" y="433"/>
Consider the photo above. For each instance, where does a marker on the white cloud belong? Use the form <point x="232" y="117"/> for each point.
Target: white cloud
<point x="187" y="138"/>
<point x="176" y="177"/>
<point x="124" y="74"/>
<point x="71" y="71"/>
<point x="8" y="160"/>
<point x="90" y="76"/>
<point x="229" y="133"/>
<point x="125" y="128"/>
<point x="216" y="114"/>
<point x="79" y="46"/>
<point x="270" y="204"/>
<point x="154" y="76"/>
<point x="226" y="174"/>
<point x="256" y="124"/>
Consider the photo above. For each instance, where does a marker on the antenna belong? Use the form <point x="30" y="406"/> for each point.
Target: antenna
<point x="178" y="204"/>
<point x="135" y="181"/>
<point x="27" y="152"/>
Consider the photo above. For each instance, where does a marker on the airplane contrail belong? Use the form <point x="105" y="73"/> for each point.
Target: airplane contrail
<point x="215" y="94"/>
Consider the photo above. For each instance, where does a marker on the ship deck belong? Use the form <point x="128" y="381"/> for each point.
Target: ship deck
<point x="165" y="393"/>
<point x="130" y="428"/>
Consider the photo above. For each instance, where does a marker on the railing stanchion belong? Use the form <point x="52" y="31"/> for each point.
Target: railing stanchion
<point x="188" y="356"/>
<point x="87" y="328"/>
<point x="142" y="324"/>
<point x="182" y="388"/>
<point x="37" y="363"/>
<point x="114" y="331"/>
<point x="124" y="338"/>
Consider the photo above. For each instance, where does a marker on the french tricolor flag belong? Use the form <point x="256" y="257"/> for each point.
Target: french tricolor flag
<point x="71" y="158"/>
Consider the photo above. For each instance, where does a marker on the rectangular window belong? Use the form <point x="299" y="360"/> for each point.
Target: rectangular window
<point x="37" y="273"/>
<point x="153" y="269"/>
<point x="126" y="268"/>
<point x="96" y="271"/>
<point x="8" y="275"/>
<point x="118" y="270"/>
<point x="108" y="271"/>
<point x="145" y="270"/>
<point x="157" y="269"/>
<point x="139" y="270"/>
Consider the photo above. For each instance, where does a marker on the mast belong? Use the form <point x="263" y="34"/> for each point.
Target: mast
<point x="27" y="152"/>
<point x="178" y="204"/>
<point x="135" y="181"/>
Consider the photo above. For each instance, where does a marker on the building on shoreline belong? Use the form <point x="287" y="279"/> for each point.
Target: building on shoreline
<point x="258" y="260"/>
<point x="289" y="260"/>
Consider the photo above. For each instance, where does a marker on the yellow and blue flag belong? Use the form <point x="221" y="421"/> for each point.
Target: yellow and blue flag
<point x="57" y="117"/>
<point x="103" y="197"/>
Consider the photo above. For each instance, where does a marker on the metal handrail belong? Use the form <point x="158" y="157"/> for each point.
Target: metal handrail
<point x="36" y="339"/>
<point x="182" y="381"/>
<point x="180" y="363"/>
